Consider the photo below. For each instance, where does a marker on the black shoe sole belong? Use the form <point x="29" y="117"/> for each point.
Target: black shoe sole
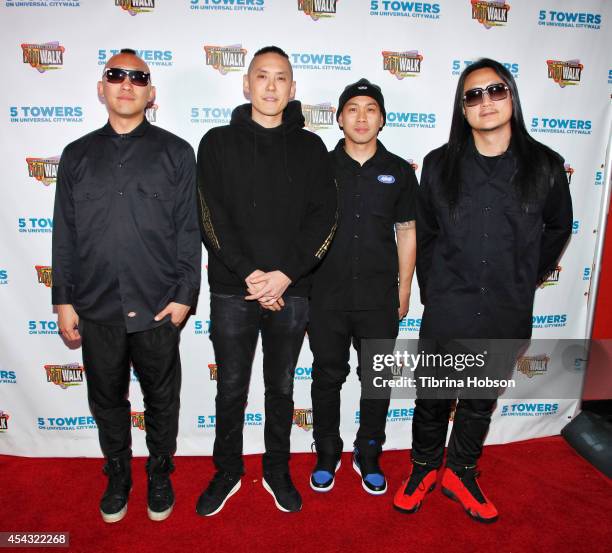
<point x="473" y="516"/>
<point x="231" y="492"/>
<point x="364" y="485"/>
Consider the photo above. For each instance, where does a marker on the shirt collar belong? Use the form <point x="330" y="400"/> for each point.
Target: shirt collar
<point x="379" y="156"/>
<point x="140" y="130"/>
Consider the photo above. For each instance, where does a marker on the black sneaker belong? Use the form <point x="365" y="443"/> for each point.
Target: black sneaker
<point x="281" y="488"/>
<point x="323" y="476"/>
<point x="113" y="505"/>
<point x="373" y="480"/>
<point x="221" y="488"/>
<point x="160" y="495"/>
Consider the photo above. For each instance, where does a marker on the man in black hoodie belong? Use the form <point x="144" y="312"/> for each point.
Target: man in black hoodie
<point x="268" y="214"/>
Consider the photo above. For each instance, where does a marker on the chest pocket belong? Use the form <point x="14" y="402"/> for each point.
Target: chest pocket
<point x="384" y="197"/>
<point x="456" y="223"/>
<point x="520" y="224"/>
<point x="155" y="207"/>
<point x="90" y="208"/>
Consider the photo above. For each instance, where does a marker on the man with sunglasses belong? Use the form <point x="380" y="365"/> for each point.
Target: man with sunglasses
<point x="362" y="288"/>
<point x="126" y="272"/>
<point x="494" y="213"/>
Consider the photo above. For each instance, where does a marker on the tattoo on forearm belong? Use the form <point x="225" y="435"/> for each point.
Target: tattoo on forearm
<point x="406" y="225"/>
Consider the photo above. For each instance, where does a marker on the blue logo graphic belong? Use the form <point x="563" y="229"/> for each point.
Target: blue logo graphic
<point x="411" y="120"/>
<point x="45" y="114"/>
<point x="35" y="224"/>
<point x="42" y="3"/>
<point x="609" y="76"/>
<point x="599" y="178"/>
<point x="529" y="409"/>
<point x="574" y="20"/>
<point x="549" y="321"/>
<point x="154" y="58"/>
<point x="303" y="373"/>
<point x="554" y="125"/>
<point x="3" y="276"/>
<point x="8" y="377"/>
<point x="586" y="274"/>
<point x="321" y="62"/>
<point x="386" y="179"/>
<point x="228" y="5"/>
<point x="459" y="65"/>
<point x="67" y="423"/>
<point x="409" y="325"/>
<point x="575" y="227"/>
<point x="42" y="327"/>
<point x="201" y="327"/>
<point x="210" y="421"/>
<point x="393" y="415"/>
<point x="213" y="115"/>
<point x="401" y="8"/>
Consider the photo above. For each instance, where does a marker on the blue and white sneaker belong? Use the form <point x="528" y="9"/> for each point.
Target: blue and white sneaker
<point x="373" y="480"/>
<point x="323" y="476"/>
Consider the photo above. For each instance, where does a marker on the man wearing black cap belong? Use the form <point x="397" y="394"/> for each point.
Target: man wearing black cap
<point x="355" y="290"/>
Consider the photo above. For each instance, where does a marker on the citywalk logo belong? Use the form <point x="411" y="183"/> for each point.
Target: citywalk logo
<point x="67" y="423"/>
<point x="402" y="64"/>
<point x="65" y="376"/>
<point x="318" y="9"/>
<point x="321" y="62"/>
<point x="493" y="13"/>
<point x="201" y="327"/>
<point x="570" y="20"/>
<point x="569" y="172"/>
<point x="400" y="8"/>
<point x="532" y="365"/>
<point x="303" y="373"/>
<point x="8" y="377"/>
<point x="318" y="116"/>
<point x="138" y="419"/>
<point x="4" y="417"/>
<point x="45" y="114"/>
<point x="213" y="115"/>
<point x="553" y="278"/>
<point x="565" y="73"/>
<point x="35" y="225"/>
<point x="303" y="418"/>
<point x="134" y="7"/>
<point x="458" y="66"/>
<point x="409" y="325"/>
<point x="43" y="57"/>
<point x="43" y="169"/>
<point x="154" y="58"/>
<point x="44" y="275"/>
<point x="42" y="3"/>
<point x="3" y="276"/>
<point x="226" y="59"/>
<point x="212" y="367"/>
<point x="151" y="113"/>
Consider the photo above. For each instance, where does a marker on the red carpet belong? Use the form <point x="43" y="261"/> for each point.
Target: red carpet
<point x="549" y="499"/>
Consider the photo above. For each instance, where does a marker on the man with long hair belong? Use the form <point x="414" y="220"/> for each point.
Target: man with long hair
<point x="268" y="214"/>
<point x="494" y="213"/>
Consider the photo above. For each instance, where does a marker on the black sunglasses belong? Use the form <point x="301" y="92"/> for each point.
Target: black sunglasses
<point x="475" y="96"/>
<point x="116" y="75"/>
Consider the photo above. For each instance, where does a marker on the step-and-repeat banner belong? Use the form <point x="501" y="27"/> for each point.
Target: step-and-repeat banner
<point x="53" y="52"/>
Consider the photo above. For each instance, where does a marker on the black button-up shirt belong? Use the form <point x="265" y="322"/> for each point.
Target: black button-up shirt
<point x="360" y="270"/>
<point x="478" y="271"/>
<point x="126" y="236"/>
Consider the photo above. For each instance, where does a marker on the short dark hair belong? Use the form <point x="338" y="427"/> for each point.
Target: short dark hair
<point x="270" y="50"/>
<point x="128" y="51"/>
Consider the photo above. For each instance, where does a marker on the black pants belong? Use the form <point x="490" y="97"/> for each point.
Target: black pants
<point x="235" y="327"/>
<point x="107" y="352"/>
<point x="330" y="333"/>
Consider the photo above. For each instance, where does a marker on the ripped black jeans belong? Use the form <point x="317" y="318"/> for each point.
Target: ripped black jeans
<point x="235" y="327"/>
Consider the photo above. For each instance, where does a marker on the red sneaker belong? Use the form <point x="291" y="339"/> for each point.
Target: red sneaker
<point x="421" y="481"/>
<point x="462" y="486"/>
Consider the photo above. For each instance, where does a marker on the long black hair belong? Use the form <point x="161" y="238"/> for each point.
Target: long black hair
<point x="535" y="162"/>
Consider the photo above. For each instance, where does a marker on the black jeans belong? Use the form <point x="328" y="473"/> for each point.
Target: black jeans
<point x="107" y="352"/>
<point x="235" y="327"/>
<point x="330" y="333"/>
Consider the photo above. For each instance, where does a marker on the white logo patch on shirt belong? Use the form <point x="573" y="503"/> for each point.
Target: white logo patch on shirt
<point x="386" y="179"/>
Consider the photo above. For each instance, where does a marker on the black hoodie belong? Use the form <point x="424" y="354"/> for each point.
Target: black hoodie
<point x="267" y="200"/>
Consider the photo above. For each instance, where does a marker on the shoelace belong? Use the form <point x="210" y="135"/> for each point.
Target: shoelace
<point x="416" y="478"/>
<point x="469" y="481"/>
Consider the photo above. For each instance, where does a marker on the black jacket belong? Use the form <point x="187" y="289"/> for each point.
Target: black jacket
<point x="126" y="237"/>
<point x="361" y="268"/>
<point x="267" y="200"/>
<point x="478" y="272"/>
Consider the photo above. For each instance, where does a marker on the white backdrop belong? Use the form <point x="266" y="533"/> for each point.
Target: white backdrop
<point x="53" y="52"/>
